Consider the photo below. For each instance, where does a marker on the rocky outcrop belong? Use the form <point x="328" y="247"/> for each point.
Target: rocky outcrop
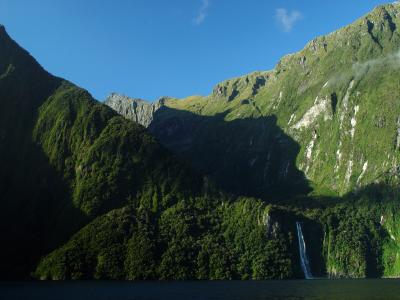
<point x="138" y="110"/>
<point x="334" y="107"/>
<point x="229" y="90"/>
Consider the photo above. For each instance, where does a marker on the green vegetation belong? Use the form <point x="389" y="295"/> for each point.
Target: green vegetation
<point x="107" y="201"/>
<point x="67" y="159"/>
<point x="331" y="108"/>
<point x="326" y="119"/>
<point x="193" y="239"/>
<point x="87" y="194"/>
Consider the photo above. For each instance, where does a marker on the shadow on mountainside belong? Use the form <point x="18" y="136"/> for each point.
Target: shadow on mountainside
<point x="251" y="157"/>
<point x="354" y="235"/>
<point x="36" y="213"/>
<point x="66" y="159"/>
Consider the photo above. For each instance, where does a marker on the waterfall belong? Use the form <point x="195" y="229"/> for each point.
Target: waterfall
<point x="305" y="265"/>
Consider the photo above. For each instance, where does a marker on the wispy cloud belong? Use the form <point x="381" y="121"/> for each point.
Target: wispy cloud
<point x="286" y="19"/>
<point x="390" y="60"/>
<point x="202" y="13"/>
<point x="360" y="69"/>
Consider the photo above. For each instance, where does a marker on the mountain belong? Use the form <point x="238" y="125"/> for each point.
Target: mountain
<point x="335" y="100"/>
<point x="320" y="133"/>
<point x="66" y="159"/>
<point x="85" y="193"/>
<point x="312" y="145"/>
<point x="137" y="110"/>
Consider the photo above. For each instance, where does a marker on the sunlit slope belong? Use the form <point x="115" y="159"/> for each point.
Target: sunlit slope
<point x="337" y="99"/>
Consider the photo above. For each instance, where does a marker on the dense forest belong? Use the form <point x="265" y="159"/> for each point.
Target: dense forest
<point x="88" y="194"/>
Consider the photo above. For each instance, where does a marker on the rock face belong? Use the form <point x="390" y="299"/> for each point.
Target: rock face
<point x="138" y="110"/>
<point x="95" y="196"/>
<point x="336" y="102"/>
<point x="85" y="193"/>
<point x="231" y="89"/>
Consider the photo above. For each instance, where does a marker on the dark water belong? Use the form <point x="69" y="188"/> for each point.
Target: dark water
<point x="385" y="289"/>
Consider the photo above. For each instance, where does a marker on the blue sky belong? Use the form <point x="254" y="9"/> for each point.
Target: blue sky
<point x="152" y="48"/>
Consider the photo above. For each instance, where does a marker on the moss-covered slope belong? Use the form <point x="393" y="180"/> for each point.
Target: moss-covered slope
<point x="85" y="193"/>
<point x="336" y="101"/>
<point x="66" y="159"/>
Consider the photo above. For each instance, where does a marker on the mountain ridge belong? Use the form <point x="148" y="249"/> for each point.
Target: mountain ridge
<point x="95" y="196"/>
<point x="314" y="43"/>
<point x="87" y="194"/>
<point x="318" y="81"/>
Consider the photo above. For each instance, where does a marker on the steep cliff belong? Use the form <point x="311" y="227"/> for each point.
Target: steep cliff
<point x="336" y="101"/>
<point x="138" y="110"/>
<point x="319" y="133"/>
<point x="85" y="193"/>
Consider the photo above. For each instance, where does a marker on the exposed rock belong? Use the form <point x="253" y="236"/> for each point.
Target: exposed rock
<point x="349" y="171"/>
<point x="322" y="87"/>
<point x="137" y="110"/>
<point x="398" y="134"/>
<point x="338" y="157"/>
<point x="321" y="107"/>
<point x="272" y="227"/>
<point x="302" y="61"/>
<point x="248" y="85"/>
<point x="309" y="150"/>
<point x="364" y="169"/>
<point x="310" y="146"/>
<point x="353" y="121"/>
<point x="291" y="118"/>
<point x="278" y="101"/>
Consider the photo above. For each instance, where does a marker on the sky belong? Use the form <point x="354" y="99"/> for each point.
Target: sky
<point x="153" y="48"/>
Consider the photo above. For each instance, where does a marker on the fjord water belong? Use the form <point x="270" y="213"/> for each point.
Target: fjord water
<point x="384" y="289"/>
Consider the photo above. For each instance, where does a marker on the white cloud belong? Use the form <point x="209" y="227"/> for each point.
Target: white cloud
<point x="287" y="20"/>
<point x="360" y="69"/>
<point x="202" y="13"/>
<point x="390" y="60"/>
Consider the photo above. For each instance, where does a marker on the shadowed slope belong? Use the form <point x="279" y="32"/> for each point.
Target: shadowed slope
<point x="65" y="159"/>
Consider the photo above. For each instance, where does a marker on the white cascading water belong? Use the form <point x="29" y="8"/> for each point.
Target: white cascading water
<point x="305" y="265"/>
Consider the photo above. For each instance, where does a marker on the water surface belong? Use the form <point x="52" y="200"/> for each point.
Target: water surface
<point x="384" y="289"/>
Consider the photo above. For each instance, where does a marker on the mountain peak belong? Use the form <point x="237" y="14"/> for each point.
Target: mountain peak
<point x="139" y="110"/>
<point x="4" y="34"/>
<point x="382" y="10"/>
<point x="326" y="120"/>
